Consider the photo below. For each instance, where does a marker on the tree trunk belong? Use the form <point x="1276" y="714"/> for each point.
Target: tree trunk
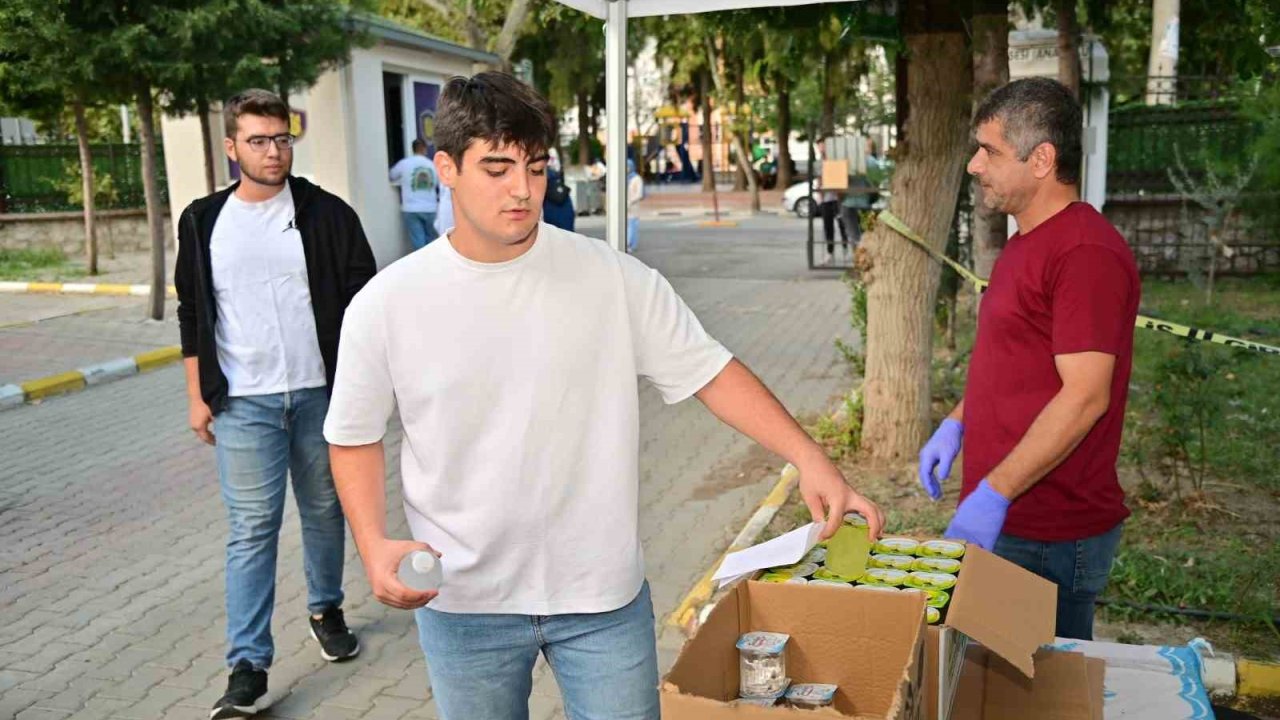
<point x="206" y="141"/>
<point x="827" y="125"/>
<point x="86" y="184"/>
<point x="744" y="163"/>
<point x="902" y="281"/>
<point x="784" y="133"/>
<point x="1068" y="41"/>
<point x="584" y="142"/>
<point x="708" y="153"/>
<point x="990" y="71"/>
<point x="745" y="168"/>
<point x="155" y="220"/>
<point x="505" y="44"/>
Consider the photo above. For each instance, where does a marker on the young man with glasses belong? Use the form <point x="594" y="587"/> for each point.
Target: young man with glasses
<point x="512" y="350"/>
<point x="265" y="271"/>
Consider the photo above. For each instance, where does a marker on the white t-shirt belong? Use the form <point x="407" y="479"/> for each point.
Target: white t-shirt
<point x="417" y="178"/>
<point x="266" y="328"/>
<point x="516" y="384"/>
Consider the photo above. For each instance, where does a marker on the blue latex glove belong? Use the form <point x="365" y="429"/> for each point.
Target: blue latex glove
<point x="980" y="516"/>
<point x="940" y="452"/>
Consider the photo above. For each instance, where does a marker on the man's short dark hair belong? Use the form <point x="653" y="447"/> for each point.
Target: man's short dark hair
<point x="1034" y="111"/>
<point x="419" y="146"/>
<point x="253" y="101"/>
<point x="492" y="107"/>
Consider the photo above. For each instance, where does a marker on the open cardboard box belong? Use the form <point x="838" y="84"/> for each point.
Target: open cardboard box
<point x="1010" y="611"/>
<point x="1067" y="686"/>
<point x="868" y="644"/>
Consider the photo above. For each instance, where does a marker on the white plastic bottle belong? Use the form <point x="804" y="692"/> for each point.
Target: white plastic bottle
<point x="421" y="570"/>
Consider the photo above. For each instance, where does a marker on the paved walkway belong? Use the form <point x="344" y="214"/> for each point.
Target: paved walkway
<point x="111" y="525"/>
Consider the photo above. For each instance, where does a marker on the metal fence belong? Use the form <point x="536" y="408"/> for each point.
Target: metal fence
<point x="1190" y="127"/>
<point x="39" y="178"/>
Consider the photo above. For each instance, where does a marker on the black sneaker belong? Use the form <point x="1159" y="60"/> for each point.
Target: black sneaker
<point x="337" y="643"/>
<point x="245" y="688"/>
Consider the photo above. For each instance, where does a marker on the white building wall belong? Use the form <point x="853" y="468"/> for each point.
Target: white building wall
<point x="344" y="149"/>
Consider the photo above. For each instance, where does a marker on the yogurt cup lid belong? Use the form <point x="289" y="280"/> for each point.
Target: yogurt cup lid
<point x="896" y="546"/>
<point x="888" y="560"/>
<point x="811" y="693"/>
<point x="930" y="580"/>
<point x="932" y="614"/>
<point x="827" y="574"/>
<point x="936" y="564"/>
<point x="877" y="588"/>
<point x="855" y="519"/>
<point x="764" y="643"/>
<point x="883" y="576"/>
<point x="941" y="548"/>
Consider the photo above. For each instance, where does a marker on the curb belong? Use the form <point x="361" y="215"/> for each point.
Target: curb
<point x="660" y="214"/>
<point x="13" y="395"/>
<point x="1257" y="679"/>
<point x="688" y="615"/>
<point x="60" y="288"/>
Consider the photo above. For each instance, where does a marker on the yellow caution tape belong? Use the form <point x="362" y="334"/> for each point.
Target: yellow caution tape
<point x="979" y="284"/>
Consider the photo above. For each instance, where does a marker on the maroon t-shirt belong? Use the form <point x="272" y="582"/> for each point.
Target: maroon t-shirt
<point x="1068" y="286"/>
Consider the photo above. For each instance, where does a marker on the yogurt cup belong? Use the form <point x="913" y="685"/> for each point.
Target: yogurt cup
<point x="930" y="580"/>
<point x="895" y="546"/>
<point x="827" y="574"/>
<point x="936" y="564"/>
<point x="933" y="615"/>
<point x="883" y="576"/>
<point x="941" y="548"/>
<point x="811" y="695"/>
<point x="897" y="562"/>
<point x="830" y="583"/>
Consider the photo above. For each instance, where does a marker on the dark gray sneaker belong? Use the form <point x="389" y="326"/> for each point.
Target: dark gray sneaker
<point x="337" y="643"/>
<point x="245" y="689"/>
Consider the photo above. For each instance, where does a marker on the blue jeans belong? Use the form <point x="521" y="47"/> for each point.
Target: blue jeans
<point x="1078" y="567"/>
<point x="633" y="233"/>
<point x="421" y="227"/>
<point x="262" y="440"/>
<point x="605" y="663"/>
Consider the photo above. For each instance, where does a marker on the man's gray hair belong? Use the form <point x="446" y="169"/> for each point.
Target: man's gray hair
<point x="1035" y="111"/>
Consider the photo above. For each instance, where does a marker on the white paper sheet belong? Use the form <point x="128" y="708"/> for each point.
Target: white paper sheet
<point x="782" y="550"/>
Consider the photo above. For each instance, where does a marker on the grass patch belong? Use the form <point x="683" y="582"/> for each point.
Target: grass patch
<point x="35" y="264"/>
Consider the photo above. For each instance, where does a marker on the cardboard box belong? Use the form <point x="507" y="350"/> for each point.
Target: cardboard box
<point x="835" y="175"/>
<point x="1010" y="611"/>
<point x="1067" y="686"/>
<point x="869" y="644"/>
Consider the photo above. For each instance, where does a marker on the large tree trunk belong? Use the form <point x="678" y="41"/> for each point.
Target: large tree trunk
<point x="505" y="44"/>
<point x="739" y="91"/>
<point x="990" y="71"/>
<point x="206" y="143"/>
<point x="902" y="281"/>
<point x="155" y="220"/>
<point x="708" y="153"/>
<point x="86" y="184"/>
<point x="784" y="132"/>
<point x="745" y="168"/>
<point x="584" y="142"/>
<point x="827" y="124"/>
<point x="1068" y="56"/>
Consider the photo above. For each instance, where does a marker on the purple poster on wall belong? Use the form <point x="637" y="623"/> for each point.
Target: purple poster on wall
<point x="425" y="96"/>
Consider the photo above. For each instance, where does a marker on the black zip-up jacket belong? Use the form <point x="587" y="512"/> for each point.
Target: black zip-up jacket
<point x="339" y="263"/>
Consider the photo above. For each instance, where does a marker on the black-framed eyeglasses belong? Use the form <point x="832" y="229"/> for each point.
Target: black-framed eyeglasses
<point x="259" y="143"/>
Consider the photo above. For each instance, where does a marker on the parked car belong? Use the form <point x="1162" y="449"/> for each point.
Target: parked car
<point x="796" y="199"/>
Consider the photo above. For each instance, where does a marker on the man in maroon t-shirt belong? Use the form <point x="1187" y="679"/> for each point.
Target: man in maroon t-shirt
<point x="1044" y="404"/>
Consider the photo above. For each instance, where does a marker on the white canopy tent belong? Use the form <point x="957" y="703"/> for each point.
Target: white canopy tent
<point x="615" y="14"/>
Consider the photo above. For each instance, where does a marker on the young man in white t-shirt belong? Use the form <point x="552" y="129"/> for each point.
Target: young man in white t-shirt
<point x="419" y="194"/>
<point x="511" y="350"/>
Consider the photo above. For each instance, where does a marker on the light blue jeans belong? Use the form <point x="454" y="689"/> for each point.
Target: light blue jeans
<point x="1079" y="568"/>
<point x="262" y="440"/>
<point x="605" y="663"/>
<point x="421" y="227"/>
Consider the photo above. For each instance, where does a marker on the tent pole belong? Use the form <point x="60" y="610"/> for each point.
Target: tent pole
<point x="615" y="99"/>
